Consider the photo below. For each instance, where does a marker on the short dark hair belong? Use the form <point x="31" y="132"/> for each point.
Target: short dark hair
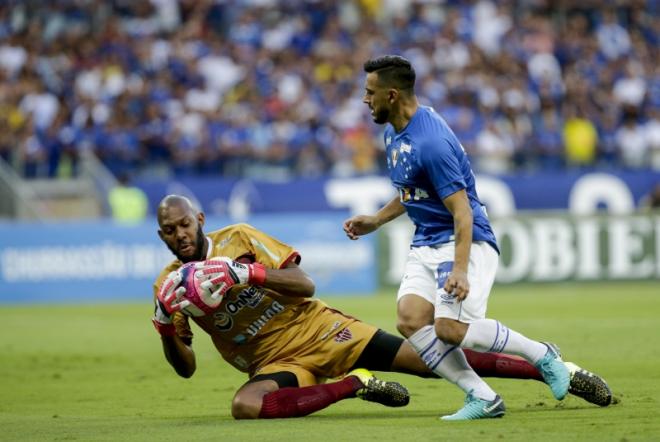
<point x="393" y="70"/>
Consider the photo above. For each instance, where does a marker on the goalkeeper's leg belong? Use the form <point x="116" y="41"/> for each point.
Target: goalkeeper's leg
<point x="277" y="395"/>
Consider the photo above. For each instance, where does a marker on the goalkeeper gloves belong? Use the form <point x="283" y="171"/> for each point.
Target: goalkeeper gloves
<point x="222" y="273"/>
<point x="167" y="303"/>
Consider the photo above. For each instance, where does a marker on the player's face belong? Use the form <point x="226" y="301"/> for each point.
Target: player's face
<point x="181" y="230"/>
<point x="377" y="98"/>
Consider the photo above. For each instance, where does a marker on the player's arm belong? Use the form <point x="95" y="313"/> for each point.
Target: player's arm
<point x="291" y="280"/>
<point x="177" y="352"/>
<point x="223" y="272"/>
<point x="458" y="205"/>
<point x="362" y="224"/>
<point x="180" y="355"/>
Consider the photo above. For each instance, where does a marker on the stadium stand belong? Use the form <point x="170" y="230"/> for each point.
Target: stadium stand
<point x="272" y="88"/>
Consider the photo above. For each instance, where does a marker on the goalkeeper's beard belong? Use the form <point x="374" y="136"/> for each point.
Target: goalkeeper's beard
<point x="199" y="248"/>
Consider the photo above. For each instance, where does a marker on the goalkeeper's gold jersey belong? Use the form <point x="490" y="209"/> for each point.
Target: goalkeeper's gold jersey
<point x="254" y="326"/>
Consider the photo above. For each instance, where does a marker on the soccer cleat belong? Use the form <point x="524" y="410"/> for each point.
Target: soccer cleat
<point x="476" y="408"/>
<point x="589" y="386"/>
<point x="554" y="372"/>
<point x="391" y="394"/>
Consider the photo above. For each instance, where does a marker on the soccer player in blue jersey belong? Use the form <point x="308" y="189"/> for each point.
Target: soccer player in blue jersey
<point x="441" y="303"/>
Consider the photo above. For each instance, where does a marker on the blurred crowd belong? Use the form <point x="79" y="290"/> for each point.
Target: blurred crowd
<point x="273" y="88"/>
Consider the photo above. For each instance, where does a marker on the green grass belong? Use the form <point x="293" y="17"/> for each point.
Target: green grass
<point x="96" y="372"/>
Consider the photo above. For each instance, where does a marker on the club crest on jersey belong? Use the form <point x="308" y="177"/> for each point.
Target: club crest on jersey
<point x="395" y="156"/>
<point x="344" y="335"/>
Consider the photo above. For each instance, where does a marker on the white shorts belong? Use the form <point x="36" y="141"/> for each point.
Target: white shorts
<point x="427" y="269"/>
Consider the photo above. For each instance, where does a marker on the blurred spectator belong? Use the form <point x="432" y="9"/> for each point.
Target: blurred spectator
<point x="613" y="38"/>
<point x="580" y="138"/>
<point x="273" y="89"/>
<point x="128" y="203"/>
<point x="493" y="151"/>
<point x="652" y="129"/>
<point x="633" y="144"/>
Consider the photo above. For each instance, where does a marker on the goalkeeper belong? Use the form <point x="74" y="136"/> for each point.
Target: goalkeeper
<point x="266" y="323"/>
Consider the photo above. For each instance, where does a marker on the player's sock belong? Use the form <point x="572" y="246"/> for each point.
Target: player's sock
<point x="489" y="335"/>
<point x="301" y="401"/>
<point x="448" y="362"/>
<point x="499" y="365"/>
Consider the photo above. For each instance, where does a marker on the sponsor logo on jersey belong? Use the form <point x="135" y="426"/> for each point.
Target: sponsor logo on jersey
<point x="344" y="335"/>
<point x="222" y="321"/>
<point x="411" y="193"/>
<point x="421" y="194"/>
<point x="268" y="314"/>
<point x="239" y="339"/>
<point x="250" y="297"/>
<point x="404" y="194"/>
<point x="405" y="148"/>
<point x="240" y="362"/>
<point x="388" y="140"/>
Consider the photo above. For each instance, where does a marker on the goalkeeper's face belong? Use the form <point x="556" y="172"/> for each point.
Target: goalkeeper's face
<point x="190" y="251"/>
<point x="183" y="235"/>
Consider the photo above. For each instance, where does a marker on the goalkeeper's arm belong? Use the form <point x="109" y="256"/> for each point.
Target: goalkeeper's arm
<point x="223" y="272"/>
<point x="291" y="280"/>
<point x="180" y="355"/>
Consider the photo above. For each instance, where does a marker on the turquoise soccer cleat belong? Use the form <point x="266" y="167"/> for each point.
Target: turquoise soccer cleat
<point x="554" y="372"/>
<point x="476" y="408"/>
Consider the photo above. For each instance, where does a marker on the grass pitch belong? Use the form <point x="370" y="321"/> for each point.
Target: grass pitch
<point x="96" y="372"/>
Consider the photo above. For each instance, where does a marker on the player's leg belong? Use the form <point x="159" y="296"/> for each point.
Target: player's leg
<point x="415" y="308"/>
<point x="342" y="340"/>
<point x="278" y="395"/>
<point x="464" y="324"/>
<point x="386" y="352"/>
<point x="248" y="400"/>
<point x="495" y="365"/>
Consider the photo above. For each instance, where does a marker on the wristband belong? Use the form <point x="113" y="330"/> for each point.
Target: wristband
<point x="164" y="329"/>
<point x="257" y="275"/>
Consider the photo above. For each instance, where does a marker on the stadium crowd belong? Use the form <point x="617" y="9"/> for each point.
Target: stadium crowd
<point x="273" y="88"/>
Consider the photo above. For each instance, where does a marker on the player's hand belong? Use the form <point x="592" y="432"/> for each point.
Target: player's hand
<point x="360" y="225"/>
<point x="221" y="273"/>
<point x="457" y="284"/>
<point x="162" y="320"/>
<point x="170" y="294"/>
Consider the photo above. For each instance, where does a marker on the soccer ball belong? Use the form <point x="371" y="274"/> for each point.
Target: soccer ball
<point x="194" y="292"/>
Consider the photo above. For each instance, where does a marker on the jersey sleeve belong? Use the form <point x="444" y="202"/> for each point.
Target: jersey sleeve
<point x="440" y="162"/>
<point x="267" y="250"/>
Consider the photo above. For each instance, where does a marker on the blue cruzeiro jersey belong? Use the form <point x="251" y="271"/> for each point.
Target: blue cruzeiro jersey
<point x="427" y="164"/>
